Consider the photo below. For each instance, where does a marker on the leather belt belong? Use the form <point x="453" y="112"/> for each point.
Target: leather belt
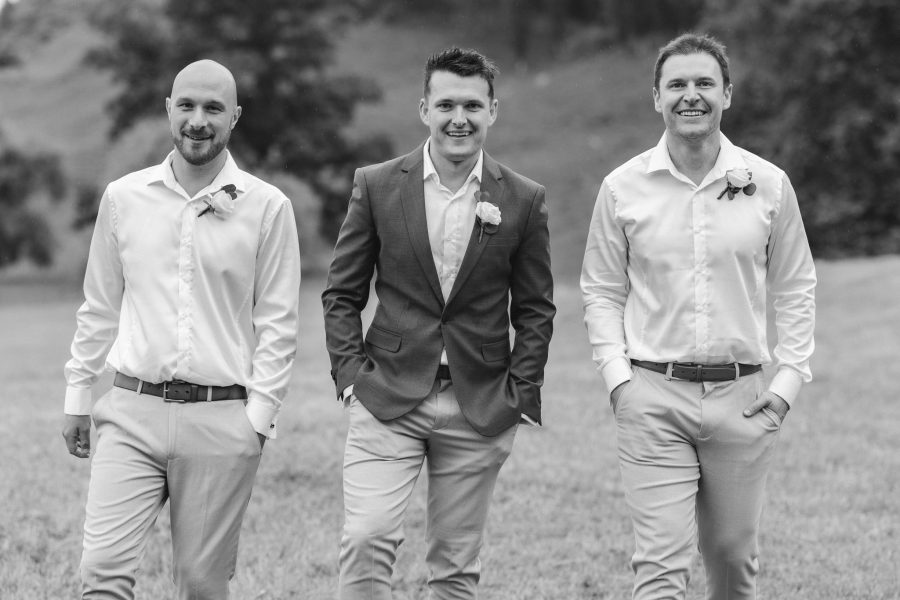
<point x="181" y="391"/>
<point x="697" y="372"/>
<point x="443" y="372"/>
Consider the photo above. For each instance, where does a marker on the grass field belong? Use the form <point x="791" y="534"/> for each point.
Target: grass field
<point x="558" y="527"/>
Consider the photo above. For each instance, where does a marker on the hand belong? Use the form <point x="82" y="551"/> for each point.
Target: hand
<point x="77" y="433"/>
<point x="262" y="440"/>
<point x="617" y="391"/>
<point x="771" y="400"/>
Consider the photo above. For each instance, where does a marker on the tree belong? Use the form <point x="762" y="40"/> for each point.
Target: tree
<point x="24" y="232"/>
<point x="295" y="111"/>
<point x="819" y="98"/>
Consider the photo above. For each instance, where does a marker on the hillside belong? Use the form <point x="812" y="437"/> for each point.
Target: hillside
<point x="564" y="125"/>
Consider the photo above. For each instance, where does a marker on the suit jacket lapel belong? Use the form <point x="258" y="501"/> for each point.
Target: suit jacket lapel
<point x="412" y="199"/>
<point x="492" y="183"/>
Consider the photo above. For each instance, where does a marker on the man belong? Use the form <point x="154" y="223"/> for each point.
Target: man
<point x="685" y="242"/>
<point x="191" y="289"/>
<point x="461" y="247"/>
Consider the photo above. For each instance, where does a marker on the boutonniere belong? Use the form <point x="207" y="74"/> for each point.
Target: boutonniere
<point x="221" y="203"/>
<point x="738" y="180"/>
<point x="487" y="215"/>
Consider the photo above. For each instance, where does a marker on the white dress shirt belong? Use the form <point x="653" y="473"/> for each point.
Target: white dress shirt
<point x="450" y="217"/>
<point x="673" y="274"/>
<point x="169" y="294"/>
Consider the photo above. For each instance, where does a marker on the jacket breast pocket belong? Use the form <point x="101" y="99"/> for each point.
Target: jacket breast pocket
<point x="495" y="351"/>
<point x="503" y="240"/>
<point x="383" y="339"/>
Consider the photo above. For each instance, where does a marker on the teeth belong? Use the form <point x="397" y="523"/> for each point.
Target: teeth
<point x="691" y="113"/>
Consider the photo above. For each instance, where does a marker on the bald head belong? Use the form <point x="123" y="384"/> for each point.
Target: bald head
<point x="210" y="75"/>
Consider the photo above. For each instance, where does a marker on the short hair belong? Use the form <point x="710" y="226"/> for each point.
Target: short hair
<point x="464" y="62"/>
<point x="693" y="43"/>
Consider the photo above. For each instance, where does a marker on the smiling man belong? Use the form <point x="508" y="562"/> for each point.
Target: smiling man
<point x="688" y="243"/>
<point x="461" y="248"/>
<point x="191" y="295"/>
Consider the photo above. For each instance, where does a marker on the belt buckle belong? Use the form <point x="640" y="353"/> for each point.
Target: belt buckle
<point x="165" y="395"/>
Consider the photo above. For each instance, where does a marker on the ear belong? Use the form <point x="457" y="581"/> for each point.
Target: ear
<point x="494" y="109"/>
<point x="423" y="111"/>
<point x="727" y="102"/>
<point x="235" y="116"/>
<point x="169" y="106"/>
<point x="656" y="104"/>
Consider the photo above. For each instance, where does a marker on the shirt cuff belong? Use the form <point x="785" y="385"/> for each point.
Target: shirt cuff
<point x="786" y="384"/>
<point x="529" y="421"/>
<point x="262" y="418"/>
<point x="616" y="372"/>
<point x="78" y="401"/>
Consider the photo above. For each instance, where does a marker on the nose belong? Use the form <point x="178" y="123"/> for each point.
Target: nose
<point x="459" y="117"/>
<point x="198" y="118"/>
<point x="690" y="93"/>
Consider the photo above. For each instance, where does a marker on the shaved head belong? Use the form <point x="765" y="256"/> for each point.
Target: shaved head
<point x="210" y="74"/>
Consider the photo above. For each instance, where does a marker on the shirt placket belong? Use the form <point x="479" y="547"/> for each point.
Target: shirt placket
<point x="701" y="276"/>
<point x="186" y="269"/>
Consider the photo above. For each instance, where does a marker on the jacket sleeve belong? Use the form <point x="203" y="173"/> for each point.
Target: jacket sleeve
<point x="347" y="289"/>
<point x="531" y="308"/>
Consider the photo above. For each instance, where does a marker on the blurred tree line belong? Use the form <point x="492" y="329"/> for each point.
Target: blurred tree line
<point x="817" y="87"/>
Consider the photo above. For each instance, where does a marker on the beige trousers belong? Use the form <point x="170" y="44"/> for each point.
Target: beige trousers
<point x="382" y="461"/>
<point x="694" y="470"/>
<point x="201" y="457"/>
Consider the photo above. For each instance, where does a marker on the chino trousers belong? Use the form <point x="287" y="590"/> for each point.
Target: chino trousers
<point x="202" y="457"/>
<point x="382" y="461"/>
<point x="694" y="470"/>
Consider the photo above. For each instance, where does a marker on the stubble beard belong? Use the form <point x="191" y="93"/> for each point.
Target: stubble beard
<point x="183" y="143"/>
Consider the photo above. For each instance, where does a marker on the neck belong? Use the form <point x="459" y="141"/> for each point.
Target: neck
<point x="453" y="174"/>
<point x="194" y="178"/>
<point x="694" y="158"/>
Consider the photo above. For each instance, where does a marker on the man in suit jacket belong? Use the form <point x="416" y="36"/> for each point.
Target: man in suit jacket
<point x="461" y="248"/>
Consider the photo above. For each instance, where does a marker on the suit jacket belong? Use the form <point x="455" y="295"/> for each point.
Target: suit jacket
<point x="504" y="278"/>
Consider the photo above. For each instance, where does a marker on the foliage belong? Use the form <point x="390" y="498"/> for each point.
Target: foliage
<point x="24" y="232"/>
<point x="825" y="108"/>
<point x="294" y="110"/>
<point x="536" y="30"/>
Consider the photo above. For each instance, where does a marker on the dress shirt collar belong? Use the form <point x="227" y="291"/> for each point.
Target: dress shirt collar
<point x="230" y="173"/>
<point x="729" y="158"/>
<point x="428" y="166"/>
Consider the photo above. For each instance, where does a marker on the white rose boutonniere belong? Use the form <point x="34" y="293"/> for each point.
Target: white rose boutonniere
<point x="738" y="180"/>
<point x="487" y="215"/>
<point x="222" y="202"/>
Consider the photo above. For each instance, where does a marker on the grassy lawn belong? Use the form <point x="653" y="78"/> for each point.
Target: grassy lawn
<point x="558" y="528"/>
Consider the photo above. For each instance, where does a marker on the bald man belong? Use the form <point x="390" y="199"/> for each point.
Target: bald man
<point x="190" y="297"/>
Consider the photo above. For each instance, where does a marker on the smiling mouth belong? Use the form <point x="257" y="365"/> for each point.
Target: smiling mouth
<point x="691" y="113"/>
<point x="196" y="137"/>
<point x="459" y="134"/>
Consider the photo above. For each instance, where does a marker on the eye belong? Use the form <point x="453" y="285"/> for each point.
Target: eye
<point x="473" y="106"/>
<point x="444" y="106"/>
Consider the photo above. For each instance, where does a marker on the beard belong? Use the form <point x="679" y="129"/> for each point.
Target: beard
<point x="198" y="158"/>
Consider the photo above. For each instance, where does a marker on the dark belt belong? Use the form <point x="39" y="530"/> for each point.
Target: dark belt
<point x="181" y="391"/>
<point x="443" y="372"/>
<point x="698" y="372"/>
